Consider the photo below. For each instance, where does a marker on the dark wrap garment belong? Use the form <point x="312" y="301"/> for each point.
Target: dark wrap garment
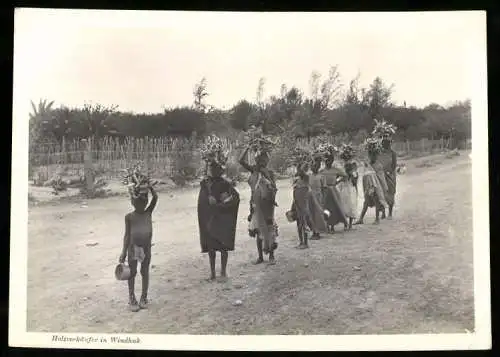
<point x="217" y="223"/>
<point x="373" y="188"/>
<point x="306" y="207"/>
<point x="333" y="202"/>
<point x="263" y="201"/>
<point x="388" y="160"/>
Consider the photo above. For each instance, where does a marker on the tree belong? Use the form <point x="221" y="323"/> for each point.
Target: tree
<point x="200" y="93"/>
<point x="379" y="97"/>
<point x="38" y="118"/>
<point x="241" y="114"/>
<point x="60" y="125"/>
<point x="95" y="116"/>
<point x="331" y="89"/>
<point x="353" y="95"/>
<point x="262" y="118"/>
<point x="184" y="121"/>
<point x="314" y="85"/>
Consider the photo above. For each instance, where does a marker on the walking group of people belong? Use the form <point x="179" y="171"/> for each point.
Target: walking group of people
<point x="322" y="199"/>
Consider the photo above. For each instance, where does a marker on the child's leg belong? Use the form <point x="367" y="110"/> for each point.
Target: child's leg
<point x="377" y="213"/>
<point x="363" y="212"/>
<point x="131" y="284"/>
<point x="260" y="259"/>
<point x="145" y="276"/>
<point x="272" y="248"/>
<point x="271" y="256"/>
<point x="350" y="222"/>
<point x="223" y="261"/>
<point x="300" y="231"/>
<point x="211" y="258"/>
<point x="304" y="238"/>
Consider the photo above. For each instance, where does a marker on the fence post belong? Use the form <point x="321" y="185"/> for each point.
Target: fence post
<point x="407" y="147"/>
<point x="422" y="143"/>
<point x="146" y="152"/>
<point x="89" y="176"/>
<point x="63" y="152"/>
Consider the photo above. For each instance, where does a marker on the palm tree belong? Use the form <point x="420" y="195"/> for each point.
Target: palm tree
<point x="40" y="115"/>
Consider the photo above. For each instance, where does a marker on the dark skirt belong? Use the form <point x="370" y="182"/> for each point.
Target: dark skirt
<point x="373" y="192"/>
<point x="390" y="178"/>
<point x="217" y="223"/>
<point x="333" y="204"/>
<point x="308" y="210"/>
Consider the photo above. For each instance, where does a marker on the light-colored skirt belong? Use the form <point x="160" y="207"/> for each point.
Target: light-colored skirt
<point x="349" y="198"/>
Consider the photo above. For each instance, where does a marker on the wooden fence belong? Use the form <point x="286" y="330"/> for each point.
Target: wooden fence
<point x="163" y="157"/>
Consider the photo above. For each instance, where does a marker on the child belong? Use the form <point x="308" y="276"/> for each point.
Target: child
<point x="137" y="244"/>
<point x="317" y="184"/>
<point x="300" y="207"/>
<point x="333" y="203"/>
<point x="348" y="186"/>
<point x="305" y="207"/>
<point x="372" y="188"/>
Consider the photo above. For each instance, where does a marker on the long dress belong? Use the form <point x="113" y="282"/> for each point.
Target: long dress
<point x="307" y="209"/>
<point x="217" y="223"/>
<point x="379" y="171"/>
<point x="317" y="184"/>
<point x="372" y="189"/>
<point x="262" y="223"/>
<point x="332" y="201"/>
<point x="349" y="192"/>
<point x="388" y="160"/>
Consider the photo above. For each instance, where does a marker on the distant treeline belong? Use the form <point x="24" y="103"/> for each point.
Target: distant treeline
<point x="329" y="109"/>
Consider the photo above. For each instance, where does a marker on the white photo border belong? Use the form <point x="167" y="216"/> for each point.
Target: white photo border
<point x="479" y="339"/>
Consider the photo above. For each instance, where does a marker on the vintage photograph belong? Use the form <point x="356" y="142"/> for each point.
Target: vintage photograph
<point x="290" y="175"/>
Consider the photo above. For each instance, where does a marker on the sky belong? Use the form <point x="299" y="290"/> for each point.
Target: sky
<point x="145" y="61"/>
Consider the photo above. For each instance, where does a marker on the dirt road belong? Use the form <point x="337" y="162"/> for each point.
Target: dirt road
<point x="413" y="274"/>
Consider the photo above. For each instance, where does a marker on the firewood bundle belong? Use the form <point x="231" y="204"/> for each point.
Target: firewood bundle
<point x="138" y="182"/>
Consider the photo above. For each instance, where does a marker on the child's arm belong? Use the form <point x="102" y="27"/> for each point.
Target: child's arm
<point x="394" y="160"/>
<point x="243" y="161"/>
<point x="126" y="240"/>
<point x="154" y="200"/>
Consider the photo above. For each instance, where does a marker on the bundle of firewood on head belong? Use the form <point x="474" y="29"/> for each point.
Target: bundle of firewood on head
<point x="326" y="150"/>
<point x="302" y="159"/>
<point x="383" y="130"/>
<point x="318" y="153"/>
<point x="373" y="145"/>
<point x="347" y="152"/>
<point x="213" y="152"/>
<point x="258" y="142"/>
<point x="138" y="182"/>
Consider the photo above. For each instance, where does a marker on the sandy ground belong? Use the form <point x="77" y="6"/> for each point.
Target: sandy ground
<point x="413" y="274"/>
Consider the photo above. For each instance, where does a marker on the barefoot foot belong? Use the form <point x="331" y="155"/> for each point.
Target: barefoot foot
<point x="133" y="305"/>
<point x="258" y="261"/>
<point x="143" y="303"/>
<point x="223" y="279"/>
